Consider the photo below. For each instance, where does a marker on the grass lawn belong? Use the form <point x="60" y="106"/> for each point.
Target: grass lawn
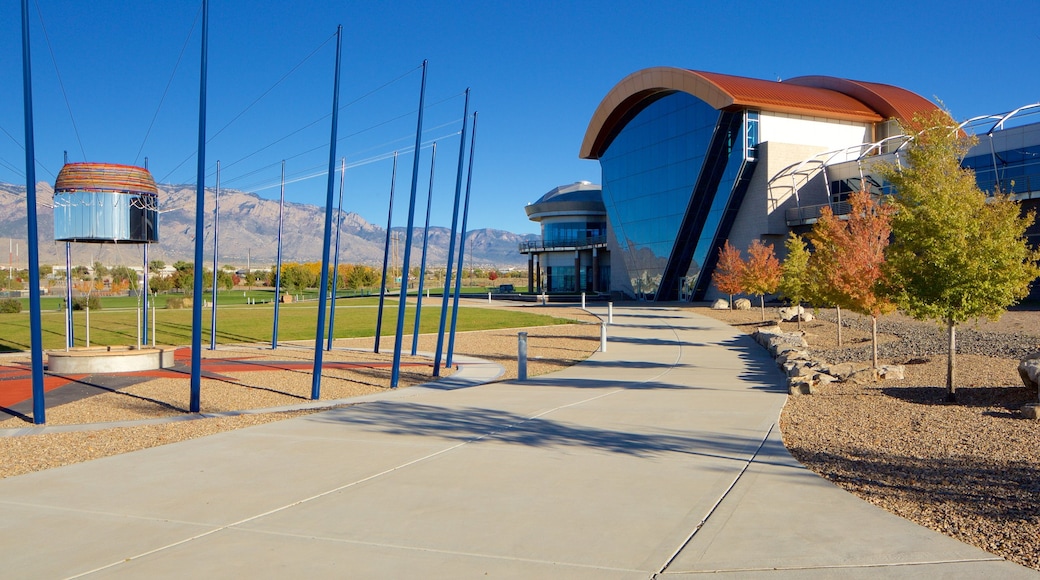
<point x="237" y="321"/>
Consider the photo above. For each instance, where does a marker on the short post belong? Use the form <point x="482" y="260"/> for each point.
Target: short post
<point x="603" y="337"/>
<point x="153" y="323"/>
<point x="88" y="322"/>
<point x="521" y="356"/>
<point x="139" y="330"/>
<point x="544" y="299"/>
<point x="489" y="297"/>
<point x="583" y="301"/>
<point x="610" y="313"/>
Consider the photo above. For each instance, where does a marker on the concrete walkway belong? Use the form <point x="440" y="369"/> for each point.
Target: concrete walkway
<point x="660" y="457"/>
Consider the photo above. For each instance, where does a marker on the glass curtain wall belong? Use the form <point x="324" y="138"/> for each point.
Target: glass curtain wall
<point x="649" y="173"/>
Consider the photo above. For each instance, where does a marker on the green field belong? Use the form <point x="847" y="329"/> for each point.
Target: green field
<point x="238" y="322"/>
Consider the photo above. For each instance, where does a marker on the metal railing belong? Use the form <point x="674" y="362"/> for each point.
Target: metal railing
<point x="569" y="244"/>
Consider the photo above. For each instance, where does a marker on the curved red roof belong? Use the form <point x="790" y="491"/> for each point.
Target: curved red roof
<point x="817" y="96"/>
<point x="104" y="177"/>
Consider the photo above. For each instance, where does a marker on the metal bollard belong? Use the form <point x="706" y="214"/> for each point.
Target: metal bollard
<point x="583" y="301"/>
<point x="521" y="356"/>
<point x="603" y="337"/>
<point x="610" y="313"/>
<point x="489" y="298"/>
<point x="88" y="323"/>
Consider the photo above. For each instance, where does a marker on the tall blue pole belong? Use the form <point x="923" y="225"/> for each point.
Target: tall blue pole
<point x="335" y="260"/>
<point x="425" y="244"/>
<point x="323" y="291"/>
<point x="395" y="373"/>
<point x="35" y="332"/>
<point x="200" y="202"/>
<point x="451" y="242"/>
<point x="216" y="234"/>
<point x="462" y="245"/>
<point x="69" y="331"/>
<point x="278" y="265"/>
<point x="386" y="255"/>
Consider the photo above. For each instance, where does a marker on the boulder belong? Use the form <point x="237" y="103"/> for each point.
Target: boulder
<point x="720" y="304"/>
<point x="742" y="304"/>
<point x="842" y="371"/>
<point x="793" y="313"/>
<point x="1031" y="411"/>
<point x="892" y="372"/>
<point x="1029" y="370"/>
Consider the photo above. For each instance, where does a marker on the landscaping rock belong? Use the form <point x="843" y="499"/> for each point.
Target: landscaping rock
<point x="742" y="304"/>
<point x="1031" y="412"/>
<point x="792" y="313"/>
<point x="720" y="304"/>
<point x="891" y="372"/>
<point x="1029" y="370"/>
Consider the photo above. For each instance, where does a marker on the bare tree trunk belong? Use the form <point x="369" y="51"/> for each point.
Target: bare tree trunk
<point x="838" y="308"/>
<point x="762" y="303"/>
<point x="731" y="302"/>
<point x="797" y="308"/>
<point x="873" y="337"/>
<point x="951" y="366"/>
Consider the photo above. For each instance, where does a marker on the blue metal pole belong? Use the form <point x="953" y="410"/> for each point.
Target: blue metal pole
<point x="278" y="265"/>
<point x="323" y="291"/>
<point x="395" y="372"/>
<point x="35" y="332"/>
<point x="451" y="242"/>
<point x="216" y="234"/>
<point x="144" y="292"/>
<point x="386" y="255"/>
<point x="425" y="244"/>
<point x="200" y="202"/>
<point x="462" y="245"/>
<point x="335" y="261"/>
<point x="69" y="331"/>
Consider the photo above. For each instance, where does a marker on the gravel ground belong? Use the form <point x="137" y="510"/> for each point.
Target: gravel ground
<point x="550" y="348"/>
<point x="970" y="469"/>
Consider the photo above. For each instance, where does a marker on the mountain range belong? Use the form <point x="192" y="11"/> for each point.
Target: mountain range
<point x="248" y="233"/>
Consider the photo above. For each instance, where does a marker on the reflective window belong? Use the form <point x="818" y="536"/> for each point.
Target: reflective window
<point x="649" y="172"/>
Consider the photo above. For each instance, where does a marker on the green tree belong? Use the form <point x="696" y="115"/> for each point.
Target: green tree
<point x="763" y="271"/>
<point x="794" y="279"/>
<point x="156" y="265"/>
<point x="955" y="255"/>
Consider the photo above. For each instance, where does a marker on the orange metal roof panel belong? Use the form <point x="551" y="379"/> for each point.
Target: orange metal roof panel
<point x="890" y="101"/>
<point x="791" y="98"/>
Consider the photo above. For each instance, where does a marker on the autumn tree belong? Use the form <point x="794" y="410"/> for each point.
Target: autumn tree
<point x="794" y="279"/>
<point x="729" y="272"/>
<point x="956" y="255"/>
<point x="849" y="259"/>
<point x="762" y="272"/>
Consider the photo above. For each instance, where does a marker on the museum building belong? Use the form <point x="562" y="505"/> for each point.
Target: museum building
<point x="690" y="159"/>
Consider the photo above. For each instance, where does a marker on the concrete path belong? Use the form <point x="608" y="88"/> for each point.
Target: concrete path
<point x="660" y="457"/>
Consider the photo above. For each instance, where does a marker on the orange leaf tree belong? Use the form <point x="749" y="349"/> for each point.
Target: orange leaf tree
<point x="850" y="256"/>
<point x="729" y="272"/>
<point x="762" y="273"/>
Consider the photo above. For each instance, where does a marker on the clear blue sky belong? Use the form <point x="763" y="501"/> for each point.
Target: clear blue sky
<point x="537" y="70"/>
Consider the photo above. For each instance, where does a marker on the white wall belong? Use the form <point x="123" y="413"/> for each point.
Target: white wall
<point x="825" y="134"/>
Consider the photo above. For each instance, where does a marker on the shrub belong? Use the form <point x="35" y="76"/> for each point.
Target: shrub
<point x="84" y="302"/>
<point x="10" y="306"/>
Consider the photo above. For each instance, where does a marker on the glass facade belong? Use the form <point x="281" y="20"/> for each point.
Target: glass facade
<point x="90" y="216"/>
<point x="557" y="232"/>
<point x="1017" y="170"/>
<point x="650" y="173"/>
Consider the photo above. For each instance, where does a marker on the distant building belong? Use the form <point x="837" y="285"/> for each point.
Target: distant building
<point x="692" y="159"/>
<point x="571" y="255"/>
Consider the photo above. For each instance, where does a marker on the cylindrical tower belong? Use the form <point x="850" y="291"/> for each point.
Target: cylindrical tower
<point x="105" y="203"/>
